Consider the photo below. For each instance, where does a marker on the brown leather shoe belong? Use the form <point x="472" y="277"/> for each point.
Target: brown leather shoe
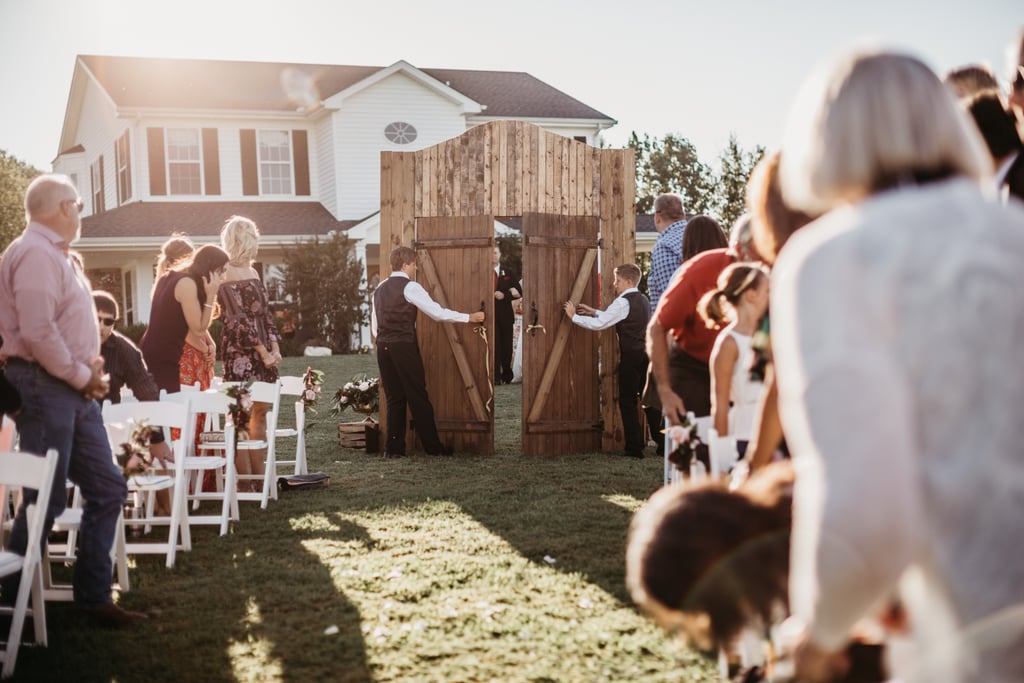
<point x="112" y="616"/>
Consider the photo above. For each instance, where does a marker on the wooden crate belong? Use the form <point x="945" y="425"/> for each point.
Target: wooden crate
<point x="365" y="435"/>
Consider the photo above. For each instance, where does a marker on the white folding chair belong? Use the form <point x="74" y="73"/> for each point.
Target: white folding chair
<point x="33" y="472"/>
<point x="215" y="406"/>
<point x="295" y="386"/>
<point x="722" y="453"/>
<point x="672" y="474"/>
<point x="263" y="392"/>
<point x="168" y="415"/>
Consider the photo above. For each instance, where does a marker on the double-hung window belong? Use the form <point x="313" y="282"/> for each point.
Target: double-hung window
<point x="275" y="162"/>
<point x="184" y="161"/>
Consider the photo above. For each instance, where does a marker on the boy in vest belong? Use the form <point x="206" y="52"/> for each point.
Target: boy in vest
<point x="629" y="312"/>
<point x="396" y="303"/>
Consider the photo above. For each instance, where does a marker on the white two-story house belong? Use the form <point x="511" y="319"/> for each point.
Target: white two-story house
<point x="158" y="146"/>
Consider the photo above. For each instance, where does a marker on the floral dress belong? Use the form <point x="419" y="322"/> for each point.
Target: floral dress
<point x="247" y="322"/>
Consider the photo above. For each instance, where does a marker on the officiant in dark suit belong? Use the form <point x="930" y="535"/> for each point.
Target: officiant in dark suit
<point x="506" y="288"/>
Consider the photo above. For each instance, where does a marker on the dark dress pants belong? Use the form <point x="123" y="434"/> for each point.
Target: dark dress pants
<point x="504" y="323"/>
<point x="401" y="374"/>
<point x="632" y="374"/>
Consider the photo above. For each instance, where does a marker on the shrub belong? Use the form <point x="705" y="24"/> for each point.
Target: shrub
<point x="134" y="331"/>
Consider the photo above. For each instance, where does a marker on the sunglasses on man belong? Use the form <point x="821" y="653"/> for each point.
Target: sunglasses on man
<point x="107" y="322"/>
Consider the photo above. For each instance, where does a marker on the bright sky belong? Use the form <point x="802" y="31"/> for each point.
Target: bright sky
<point x="700" y="68"/>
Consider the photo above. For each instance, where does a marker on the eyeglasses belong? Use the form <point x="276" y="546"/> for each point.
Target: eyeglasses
<point x="79" y="204"/>
<point x="108" y="322"/>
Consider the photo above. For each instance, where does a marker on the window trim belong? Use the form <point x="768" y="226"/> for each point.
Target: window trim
<point x="123" y="171"/>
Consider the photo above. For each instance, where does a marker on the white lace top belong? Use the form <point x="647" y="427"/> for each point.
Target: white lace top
<point x="898" y="336"/>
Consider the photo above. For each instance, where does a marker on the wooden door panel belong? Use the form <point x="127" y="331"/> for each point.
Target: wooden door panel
<point x="454" y="257"/>
<point x="561" y="401"/>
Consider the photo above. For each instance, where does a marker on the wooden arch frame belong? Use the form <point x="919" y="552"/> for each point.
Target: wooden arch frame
<point x="513" y="168"/>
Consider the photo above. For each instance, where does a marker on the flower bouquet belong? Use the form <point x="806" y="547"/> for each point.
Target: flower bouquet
<point x="685" y="444"/>
<point x="133" y="456"/>
<point x="240" y="409"/>
<point x="362" y="395"/>
<point x="311" y="391"/>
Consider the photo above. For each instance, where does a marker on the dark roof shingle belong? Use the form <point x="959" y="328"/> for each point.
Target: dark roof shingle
<point x="217" y="84"/>
<point x="198" y="219"/>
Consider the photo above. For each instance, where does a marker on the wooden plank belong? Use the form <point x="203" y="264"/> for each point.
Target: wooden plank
<point x="565" y="241"/>
<point x="502" y="131"/>
<point x="517" y="158"/>
<point x="550" y="181"/>
<point x="454" y="242"/>
<point x="572" y="207"/>
<point x="420" y="182"/>
<point x="462" y="426"/>
<point x="559" y="426"/>
<point x="580" y="177"/>
<point x="458" y="351"/>
<point x="561" y="337"/>
<point x="493" y="168"/>
<point x="407" y="196"/>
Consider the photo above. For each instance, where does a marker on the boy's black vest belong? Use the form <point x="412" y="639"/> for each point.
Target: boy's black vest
<point x="632" y="330"/>
<point x="396" y="317"/>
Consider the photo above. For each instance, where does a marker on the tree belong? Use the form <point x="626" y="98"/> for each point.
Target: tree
<point x="324" y="281"/>
<point x="735" y="166"/>
<point x="14" y="179"/>
<point x="671" y="165"/>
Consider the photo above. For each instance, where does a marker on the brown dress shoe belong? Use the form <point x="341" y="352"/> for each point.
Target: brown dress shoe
<point x="112" y="616"/>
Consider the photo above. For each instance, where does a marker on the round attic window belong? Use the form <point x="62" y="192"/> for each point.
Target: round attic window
<point x="400" y="132"/>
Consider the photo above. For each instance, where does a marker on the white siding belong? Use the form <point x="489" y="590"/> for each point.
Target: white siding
<point x="97" y="130"/>
<point x="359" y="136"/>
<point x="323" y="158"/>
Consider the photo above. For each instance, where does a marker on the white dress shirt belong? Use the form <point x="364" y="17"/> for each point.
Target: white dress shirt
<point x="602" y="320"/>
<point x="418" y="297"/>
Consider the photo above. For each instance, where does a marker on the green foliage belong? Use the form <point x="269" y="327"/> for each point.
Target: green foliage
<point x="14" y="179"/>
<point x="511" y="252"/>
<point x="671" y="164"/>
<point x="643" y="262"/>
<point x="323" y="279"/>
<point x="735" y="166"/>
<point x="134" y="332"/>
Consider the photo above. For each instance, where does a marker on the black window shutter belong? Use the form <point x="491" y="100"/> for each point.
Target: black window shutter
<point x="250" y="173"/>
<point x="157" y="167"/>
<point x="300" y="149"/>
<point x="211" y="161"/>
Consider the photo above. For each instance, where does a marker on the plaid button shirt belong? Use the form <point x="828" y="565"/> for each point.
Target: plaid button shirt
<point x="666" y="257"/>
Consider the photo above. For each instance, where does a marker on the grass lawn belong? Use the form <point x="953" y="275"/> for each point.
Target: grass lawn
<point x="468" y="568"/>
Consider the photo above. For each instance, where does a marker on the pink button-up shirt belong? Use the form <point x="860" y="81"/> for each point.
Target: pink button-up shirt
<point x="46" y="309"/>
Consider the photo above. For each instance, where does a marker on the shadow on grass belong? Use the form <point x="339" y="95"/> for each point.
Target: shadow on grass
<point x="252" y="606"/>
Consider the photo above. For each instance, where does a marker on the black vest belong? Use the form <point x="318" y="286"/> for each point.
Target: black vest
<point x="632" y="329"/>
<point x="396" y="317"/>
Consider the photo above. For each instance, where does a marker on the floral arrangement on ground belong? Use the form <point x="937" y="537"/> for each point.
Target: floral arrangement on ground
<point x="362" y="395"/>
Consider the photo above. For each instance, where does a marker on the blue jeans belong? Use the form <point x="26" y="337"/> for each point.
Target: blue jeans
<point x="55" y="415"/>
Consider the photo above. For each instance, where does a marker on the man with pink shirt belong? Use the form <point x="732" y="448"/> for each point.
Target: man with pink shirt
<point x="51" y="346"/>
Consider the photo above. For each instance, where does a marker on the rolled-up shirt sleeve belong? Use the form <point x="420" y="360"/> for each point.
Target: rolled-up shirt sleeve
<point x="602" y="320"/>
<point x="418" y="297"/>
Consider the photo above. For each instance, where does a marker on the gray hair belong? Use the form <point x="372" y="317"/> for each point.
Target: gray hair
<point x="870" y="121"/>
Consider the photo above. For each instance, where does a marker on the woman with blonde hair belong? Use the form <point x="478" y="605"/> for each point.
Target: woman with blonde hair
<point x="896" y="340"/>
<point x="250" y="343"/>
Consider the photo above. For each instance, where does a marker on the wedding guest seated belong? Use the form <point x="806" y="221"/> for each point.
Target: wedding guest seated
<point x="123" y="362"/>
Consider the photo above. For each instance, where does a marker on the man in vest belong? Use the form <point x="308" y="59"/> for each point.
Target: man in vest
<point x="630" y="313"/>
<point x="396" y="303"/>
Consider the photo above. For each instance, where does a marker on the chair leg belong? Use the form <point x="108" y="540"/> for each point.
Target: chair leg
<point x="121" y="556"/>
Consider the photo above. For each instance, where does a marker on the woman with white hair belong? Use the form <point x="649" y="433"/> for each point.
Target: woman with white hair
<point x="896" y="324"/>
<point x="250" y="342"/>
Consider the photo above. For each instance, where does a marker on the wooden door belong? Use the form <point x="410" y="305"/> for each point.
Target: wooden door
<point x="454" y="256"/>
<point x="561" y="393"/>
